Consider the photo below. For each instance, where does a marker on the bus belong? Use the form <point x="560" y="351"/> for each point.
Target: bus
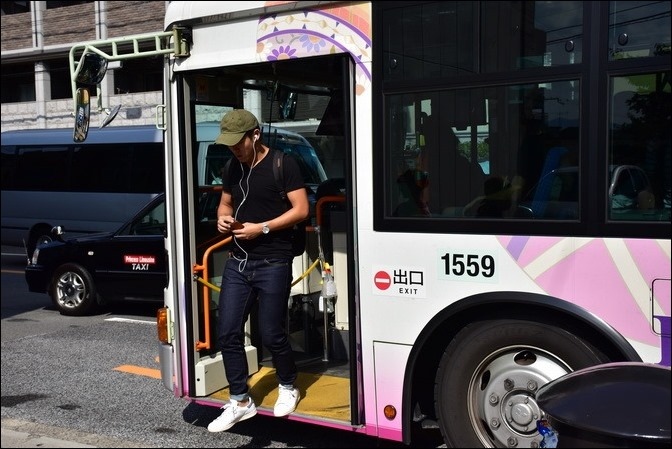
<point x="84" y="187"/>
<point x="496" y="213"/>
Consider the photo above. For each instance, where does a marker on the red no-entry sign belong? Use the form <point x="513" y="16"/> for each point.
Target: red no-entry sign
<point x="382" y="280"/>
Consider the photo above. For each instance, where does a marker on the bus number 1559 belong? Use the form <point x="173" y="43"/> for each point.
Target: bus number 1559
<point x="472" y="265"/>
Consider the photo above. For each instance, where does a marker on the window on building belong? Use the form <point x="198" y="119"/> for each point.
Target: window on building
<point x="54" y="5"/>
<point x="18" y="82"/>
<point x="139" y="75"/>
<point x="59" y="71"/>
<point x="14" y="7"/>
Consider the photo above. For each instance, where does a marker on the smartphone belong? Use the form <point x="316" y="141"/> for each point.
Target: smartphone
<point x="236" y="225"/>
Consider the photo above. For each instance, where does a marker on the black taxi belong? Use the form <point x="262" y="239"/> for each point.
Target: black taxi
<point x="81" y="274"/>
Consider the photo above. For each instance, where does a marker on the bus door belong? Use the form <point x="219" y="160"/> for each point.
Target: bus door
<point x="302" y="106"/>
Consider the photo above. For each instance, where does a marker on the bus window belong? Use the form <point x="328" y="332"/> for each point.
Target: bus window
<point x="445" y="160"/>
<point x="640" y="148"/>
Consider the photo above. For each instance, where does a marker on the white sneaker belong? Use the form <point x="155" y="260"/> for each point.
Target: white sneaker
<point x="287" y="400"/>
<point x="232" y="413"/>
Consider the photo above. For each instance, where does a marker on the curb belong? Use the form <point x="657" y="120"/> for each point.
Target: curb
<point x="18" y="433"/>
<point x="13" y="438"/>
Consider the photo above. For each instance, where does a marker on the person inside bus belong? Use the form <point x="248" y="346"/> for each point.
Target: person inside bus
<point x="460" y="179"/>
<point x="493" y="203"/>
<point x="260" y="265"/>
<point x="412" y="186"/>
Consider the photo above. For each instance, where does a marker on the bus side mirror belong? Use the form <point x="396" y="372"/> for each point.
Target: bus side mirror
<point x="82" y="114"/>
<point x="111" y="114"/>
<point x="90" y="72"/>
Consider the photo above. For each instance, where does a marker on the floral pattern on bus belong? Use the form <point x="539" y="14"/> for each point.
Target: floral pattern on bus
<point x="311" y="33"/>
<point x="551" y="261"/>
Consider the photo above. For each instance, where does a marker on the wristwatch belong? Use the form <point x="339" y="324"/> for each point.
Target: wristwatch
<point x="264" y="228"/>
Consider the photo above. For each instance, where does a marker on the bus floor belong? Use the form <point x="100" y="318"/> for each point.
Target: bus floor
<point x="324" y="387"/>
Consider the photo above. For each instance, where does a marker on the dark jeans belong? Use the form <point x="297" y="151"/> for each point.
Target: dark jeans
<point x="268" y="281"/>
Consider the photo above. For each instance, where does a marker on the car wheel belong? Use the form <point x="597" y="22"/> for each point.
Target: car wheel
<point x="73" y="291"/>
<point x="486" y="384"/>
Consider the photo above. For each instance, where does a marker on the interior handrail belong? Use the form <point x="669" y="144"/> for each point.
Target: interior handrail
<point x="203" y="268"/>
<point x="327" y="199"/>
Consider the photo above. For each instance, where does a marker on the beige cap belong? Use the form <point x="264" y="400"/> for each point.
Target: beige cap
<point x="234" y="125"/>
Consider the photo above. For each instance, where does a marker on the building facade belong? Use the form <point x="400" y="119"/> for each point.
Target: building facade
<point x="36" y="41"/>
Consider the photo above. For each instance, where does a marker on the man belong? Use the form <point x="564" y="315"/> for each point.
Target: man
<point x="260" y="265"/>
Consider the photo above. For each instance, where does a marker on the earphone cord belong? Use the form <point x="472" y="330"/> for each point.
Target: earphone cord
<point x="243" y="262"/>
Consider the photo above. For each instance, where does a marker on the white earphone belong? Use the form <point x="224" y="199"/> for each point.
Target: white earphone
<point x="243" y="262"/>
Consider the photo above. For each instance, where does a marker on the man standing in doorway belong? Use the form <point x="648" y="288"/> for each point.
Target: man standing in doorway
<point x="260" y="265"/>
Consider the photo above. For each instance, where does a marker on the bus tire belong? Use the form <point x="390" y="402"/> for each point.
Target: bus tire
<point x="488" y="376"/>
<point x="73" y="291"/>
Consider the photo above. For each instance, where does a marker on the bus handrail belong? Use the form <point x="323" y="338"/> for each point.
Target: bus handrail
<point x="175" y="42"/>
<point x="324" y="200"/>
<point x="207" y="286"/>
<point x="203" y="268"/>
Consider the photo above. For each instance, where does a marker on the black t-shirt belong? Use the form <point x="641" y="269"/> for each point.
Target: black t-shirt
<point x="256" y="199"/>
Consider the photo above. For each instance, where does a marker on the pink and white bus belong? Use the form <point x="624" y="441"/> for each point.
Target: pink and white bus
<point x="496" y="213"/>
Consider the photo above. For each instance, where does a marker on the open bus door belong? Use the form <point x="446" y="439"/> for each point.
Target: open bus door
<point x="285" y="95"/>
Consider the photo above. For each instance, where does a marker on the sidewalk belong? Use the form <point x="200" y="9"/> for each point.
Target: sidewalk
<point x="12" y="438"/>
<point x="19" y="433"/>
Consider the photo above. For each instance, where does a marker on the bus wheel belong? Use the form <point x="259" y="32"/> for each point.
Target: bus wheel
<point x="489" y="375"/>
<point x="73" y="291"/>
